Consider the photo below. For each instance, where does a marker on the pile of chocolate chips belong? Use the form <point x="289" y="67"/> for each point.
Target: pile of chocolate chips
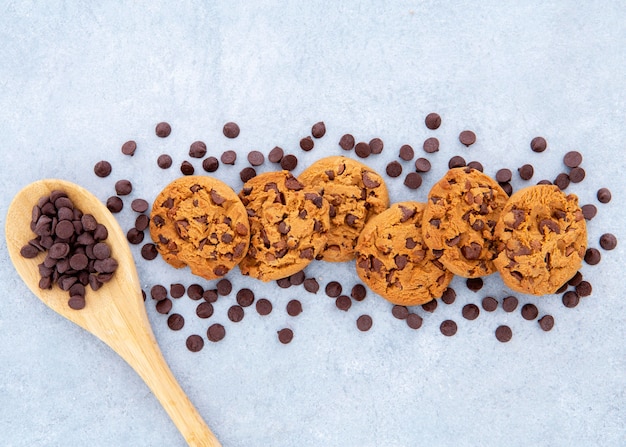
<point x="76" y="252"/>
<point x="394" y="169"/>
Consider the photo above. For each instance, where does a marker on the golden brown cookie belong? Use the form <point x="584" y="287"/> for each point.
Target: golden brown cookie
<point x="288" y="225"/>
<point x="393" y="260"/>
<point x="462" y="211"/>
<point x="199" y="221"/>
<point x="542" y="238"/>
<point x="355" y="193"/>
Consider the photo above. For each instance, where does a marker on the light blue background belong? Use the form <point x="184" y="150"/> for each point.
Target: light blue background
<point x="78" y="79"/>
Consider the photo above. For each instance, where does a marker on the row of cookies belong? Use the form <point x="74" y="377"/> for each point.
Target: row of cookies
<point x="536" y="239"/>
<point x="338" y="209"/>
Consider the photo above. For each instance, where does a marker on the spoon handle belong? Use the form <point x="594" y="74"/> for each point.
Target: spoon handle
<point x="147" y="360"/>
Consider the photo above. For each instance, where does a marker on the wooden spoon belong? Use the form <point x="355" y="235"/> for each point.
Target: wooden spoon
<point x="116" y="312"/>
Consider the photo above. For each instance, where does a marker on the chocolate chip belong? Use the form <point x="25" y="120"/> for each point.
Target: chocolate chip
<point x="362" y="149"/>
<point x="572" y="159"/>
<point x="526" y="172"/>
<point x="235" y="313"/>
<point x="297" y="278"/>
<point x="247" y="173"/>
<point x="283" y="283"/>
<point x="134" y="236"/>
<point x="570" y="299"/>
<point x="470" y="311"/>
<point x="294" y="308"/>
<point x="448" y="328"/>
<point x="29" y="251"/>
<point x="333" y="289"/>
<point x="285" y="335"/>
<point x="431" y="145"/>
<point x="318" y="130"/>
<point x="589" y="211"/>
<point x="471" y="251"/>
<point x="343" y="302"/>
<point x="509" y="304"/>
<point x="195" y="291"/>
<point x="210" y="296"/>
<point x="604" y="195"/>
<point x="467" y="137"/>
<point x="474" y="284"/>
<point x="177" y="290"/>
<point x="76" y="302"/>
<point x="529" y="311"/>
<point x="347" y="142"/>
<point x="114" y="204"/>
<point x="577" y="175"/>
<point x="306" y="144"/>
<point x="364" y="323"/>
<point x="293" y="184"/>
<point x="228" y="157"/>
<point x="376" y="145"/>
<point x="433" y="121"/>
<point x="430" y="306"/>
<point x="102" y="168"/>
<point x="575" y="280"/>
<point x="584" y="289"/>
<point x="414" y="321"/>
<point x="400" y="312"/>
<point x="164" y="306"/>
<point x="276" y="155"/>
<point x="608" y="241"/>
<point x="562" y="181"/>
<point x="245" y="297"/>
<point x="311" y="285"/>
<point x="163" y="130"/>
<point x="358" y="292"/>
<point x="210" y="164"/>
<point x="413" y="180"/>
<point x="592" y="256"/>
<point x="158" y="292"/>
<point x="507" y="187"/>
<point x="231" y="130"/>
<point x="394" y="169"/>
<point x="406" y="152"/>
<point x="186" y="168"/>
<point x="475" y="165"/>
<point x="448" y="296"/>
<point x="164" y="161"/>
<point x="129" y="148"/>
<point x="263" y="306"/>
<point x="175" y="322"/>
<point x="538" y="144"/>
<point x="503" y="175"/>
<point x="256" y="158"/>
<point x="546" y="322"/>
<point x="489" y="303"/>
<point x="149" y="251"/>
<point x="456" y="162"/>
<point x="422" y="165"/>
<point x="504" y="333"/>
<point x="216" y="332"/>
<point x="289" y="162"/>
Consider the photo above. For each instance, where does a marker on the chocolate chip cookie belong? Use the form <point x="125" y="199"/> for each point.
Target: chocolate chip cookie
<point x="393" y="260"/>
<point x="199" y="221"/>
<point x="542" y="238"/>
<point x="288" y="225"/>
<point x="460" y="218"/>
<point x="355" y="193"/>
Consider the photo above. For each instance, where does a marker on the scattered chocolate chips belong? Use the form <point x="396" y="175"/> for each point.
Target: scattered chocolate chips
<point x="358" y="292"/>
<point x="245" y="297"/>
<point x="177" y="290"/>
<point x="376" y="145"/>
<point x="285" y="336"/>
<point x="362" y="149"/>
<point x="526" y="172"/>
<point x="570" y="299"/>
<point x="589" y="211"/>
<point x="311" y="285"/>
<point x="504" y="333"/>
<point x="163" y="130"/>
<point x="422" y="165"/>
<point x="306" y="144"/>
<point x="175" y="322"/>
<point x="164" y="306"/>
<point x="608" y="241"/>
<point x="231" y="130"/>
<point x="333" y="289"/>
<point x="235" y="313"/>
<point x="135" y="236"/>
<point x="529" y="311"/>
<point x="604" y="195"/>
<point x="197" y="149"/>
<point x="347" y="142"/>
<point x="289" y="162"/>
<point x="216" y="332"/>
<point x="431" y="145"/>
<point x="187" y="168"/>
<point x="433" y="121"/>
<point x="456" y="162"/>
<point x="294" y="308"/>
<point x="102" y="168"/>
<point x="343" y="302"/>
<point x="470" y="311"/>
<point x="318" y="130"/>
<point x="276" y="155"/>
<point x="263" y="306"/>
<point x="149" y="251"/>
<point x="414" y="321"/>
<point x="194" y="343"/>
<point x="474" y="284"/>
<point x="400" y="312"/>
<point x="430" y="306"/>
<point x="573" y="159"/>
<point x="210" y="164"/>
<point x="448" y="296"/>
<point x="467" y="137"/>
<point x="448" y="328"/>
<point x="413" y="180"/>
<point x="364" y="323"/>
<point x="158" y="292"/>
<point x="247" y="173"/>
<point x="562" y="181"/>
<point x="583" y="289"/>
<point x="228" y="157"/>
<point x="546" y="322"/>
<point x="592" y="256"/>
<point x="123" y="187"/>
<point x="164" y="161"/>
<point x="393" y="169"/>
<point x="509" y="304"/>
<point x="204" y="310"/>
<point x="406" y="152"/>
<point x="139" y="206"/>
<point x="538" y="144"/>
<point x="195" y="292"/>
<point x="503" y="175"/>
<point x="256" y="158"/>
<point x="129" y="148"/>
<point x="577" y="175"/>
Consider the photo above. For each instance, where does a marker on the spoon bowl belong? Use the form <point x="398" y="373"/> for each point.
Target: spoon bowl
<point x="116" y="312"/>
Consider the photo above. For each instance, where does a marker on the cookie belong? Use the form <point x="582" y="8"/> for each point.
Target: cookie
<point x="393" y="260"/>
<point x="288" y="225"/>
<point x="355" y="192"/>
<point x="460" y="218"/>
<point x="542" y="238"/>
<point x="199" y="221"/>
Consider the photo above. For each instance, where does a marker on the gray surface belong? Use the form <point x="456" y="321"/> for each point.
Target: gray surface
<point x="78" y="81"/>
